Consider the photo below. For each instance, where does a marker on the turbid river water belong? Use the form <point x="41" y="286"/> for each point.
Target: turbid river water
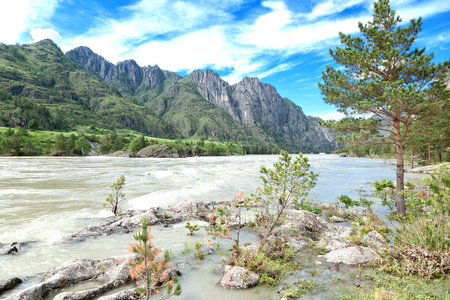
<point x="46" y="200"/>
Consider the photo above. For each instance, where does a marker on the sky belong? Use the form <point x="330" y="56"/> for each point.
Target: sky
<point x="282" y="42"/>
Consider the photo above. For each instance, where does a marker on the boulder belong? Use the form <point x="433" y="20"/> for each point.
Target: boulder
<point x="12" y="248"/>
<point x="9" y="284"/>
<point x="190" y="207"/>
<point x="351" y="256"/>
<point x="159" y="151"/>
<point x="373" y="239"/>
<point x="239" y="278"/>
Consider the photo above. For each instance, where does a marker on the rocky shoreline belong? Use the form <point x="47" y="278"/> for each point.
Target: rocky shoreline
<point x="301" y="228"/>
<point x="429" y="169"/>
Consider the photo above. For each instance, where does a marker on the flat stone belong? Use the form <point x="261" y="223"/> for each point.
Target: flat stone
<point x="355" y="255"/>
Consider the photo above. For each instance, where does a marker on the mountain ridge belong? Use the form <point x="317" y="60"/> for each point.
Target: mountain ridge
<point x="252" y="103"/>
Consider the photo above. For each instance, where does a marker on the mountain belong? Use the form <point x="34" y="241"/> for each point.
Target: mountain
<point x="38" y="81"/>
<point x="258" y="111"/>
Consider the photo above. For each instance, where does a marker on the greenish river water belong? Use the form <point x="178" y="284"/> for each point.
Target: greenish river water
<point x="47" y="199"/>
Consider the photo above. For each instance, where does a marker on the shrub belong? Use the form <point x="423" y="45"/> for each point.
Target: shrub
<point x="116" y="197"/>
<point x="147" y="269"/>
<point x="285" y="186"/>
<point x="225" y="216"/>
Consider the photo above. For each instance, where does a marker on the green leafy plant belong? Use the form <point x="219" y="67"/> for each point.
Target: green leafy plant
<point x="285" y="186"/>
<point x="346" y="201"/>
<point x="198" y="251"/>
<point x="148" y="269"/>
<point x="117" y="196"/>
<point x="302" y="287"/>
<point x="191" y="227"/>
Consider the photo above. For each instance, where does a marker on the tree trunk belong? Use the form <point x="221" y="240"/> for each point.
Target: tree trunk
<point x="412" y="158"/>
<point x="400" y="198"/>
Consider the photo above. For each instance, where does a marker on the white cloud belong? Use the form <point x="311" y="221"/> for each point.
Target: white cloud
<point x="39" y="34"/>
<point x="19" y="16"/>
<point x="13" y="20"/>
<point x="281" y="68"/>
<point x="334" y="115"/>
<point x="330" y="7"/>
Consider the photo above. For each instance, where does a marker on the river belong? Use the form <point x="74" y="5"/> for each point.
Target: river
<point x="47" y="199"/>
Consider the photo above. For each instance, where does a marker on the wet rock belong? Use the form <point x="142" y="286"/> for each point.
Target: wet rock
<point x="9" y="284"/>
<point x="12" y="248"/>
<point x="373" y="239"/>
<point x="239" y="278"/>
<point x="342" y="155"/>
<point x="113" y="271"/>
<point x="130" y="294"/>
<point x="124" y="222"/>
<point x="354" y="255"/>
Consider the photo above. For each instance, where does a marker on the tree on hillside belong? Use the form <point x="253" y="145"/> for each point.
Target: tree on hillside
<point x="384" y="77"/>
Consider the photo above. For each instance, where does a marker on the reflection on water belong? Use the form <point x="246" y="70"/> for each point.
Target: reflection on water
<point x="47" y="199"/>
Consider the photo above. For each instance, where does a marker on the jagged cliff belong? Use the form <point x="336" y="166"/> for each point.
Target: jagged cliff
<point x="258" y="104"/>
<point x="261" y="112"/>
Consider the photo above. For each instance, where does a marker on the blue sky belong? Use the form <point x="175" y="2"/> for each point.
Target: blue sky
<point x="284" y="42"/>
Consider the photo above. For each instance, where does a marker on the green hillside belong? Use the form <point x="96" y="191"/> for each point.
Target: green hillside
<point x="38" y="81"/>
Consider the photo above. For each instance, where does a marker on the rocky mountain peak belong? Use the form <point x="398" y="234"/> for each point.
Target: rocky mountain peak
<point x="216" y="91"/>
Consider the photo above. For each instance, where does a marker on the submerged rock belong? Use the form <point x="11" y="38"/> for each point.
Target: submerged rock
<point x="238" y="278"/>
<point x="9" y="284"/>
<point x="351" y="256"/>
<point x="12" y="248"/>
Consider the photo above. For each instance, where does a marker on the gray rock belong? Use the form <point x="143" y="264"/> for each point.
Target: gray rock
<point x="429" y="169"/>
<point x="12" y="248"/>
<point x="158" y="151"/>
<point x="190" y="207"/>
<point x="354" y="255"/>
<point x="335" y="219"/>
<point x="239" y="278"/>
<point x="9" y="284"/>
<point x="113" y="272"/>
<point x="124" y="222"/>
<point x="129" y="294"/>
<point x="373" y="239"/>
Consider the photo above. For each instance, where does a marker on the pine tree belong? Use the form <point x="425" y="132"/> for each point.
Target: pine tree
<point x="148" y="269"/>
<point x="384" y="77"/>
